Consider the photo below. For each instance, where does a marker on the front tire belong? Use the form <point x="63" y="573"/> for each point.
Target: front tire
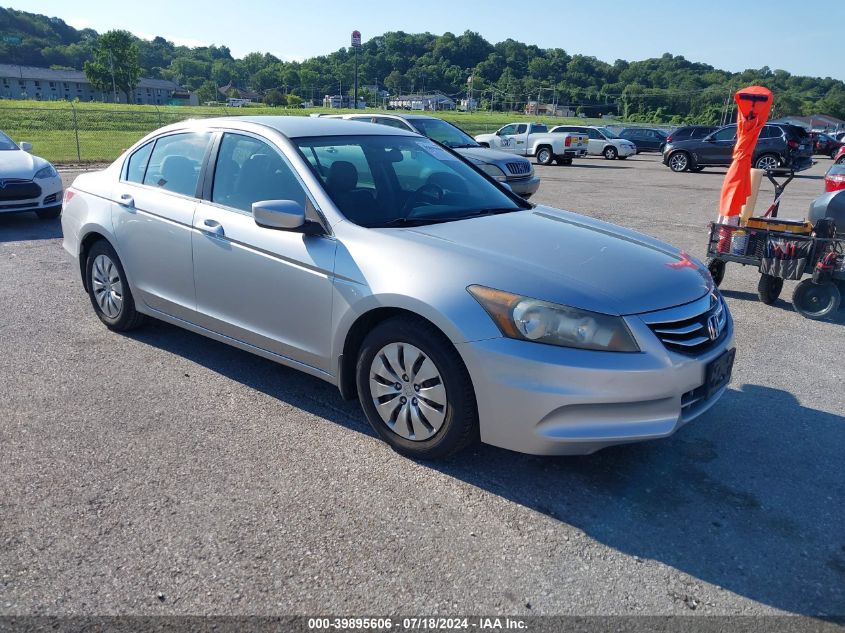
<point x="415" y="389"/>
<point x="50" y="213"/>
<point x="545" y="156"/>
<point x="679" y="161"/>
<point x="108" y="289"/>
<point x="610" y="153"/>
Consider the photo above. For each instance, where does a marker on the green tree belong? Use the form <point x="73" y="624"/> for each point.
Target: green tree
<point x="274" y="97"/>
<point x="115" y="60"/>
<point x="294" y="101"/>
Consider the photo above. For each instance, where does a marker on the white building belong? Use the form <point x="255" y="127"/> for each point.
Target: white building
<point x="432" y="101"/>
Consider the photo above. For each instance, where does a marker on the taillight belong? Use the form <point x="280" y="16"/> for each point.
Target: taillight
<point x="568" y="141"/>
<point x="669" y="139"/>
<point x="834" y="182"/>
<point x="793" y="144"/>
<point x="68" y="195"/>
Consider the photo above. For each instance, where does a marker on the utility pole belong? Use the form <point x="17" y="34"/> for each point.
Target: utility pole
<point x="113" y="85"/>
<point x="356" y="44"/>
<point x="469" y="94"/>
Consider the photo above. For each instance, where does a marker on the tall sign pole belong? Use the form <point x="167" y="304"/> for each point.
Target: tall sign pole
<point x="356" y="44"/>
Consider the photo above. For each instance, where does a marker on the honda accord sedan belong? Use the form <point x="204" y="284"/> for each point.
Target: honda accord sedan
<point x="28" y="183"/>
<point x="391" y="267"/>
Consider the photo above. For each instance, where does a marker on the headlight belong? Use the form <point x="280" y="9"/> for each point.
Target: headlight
<point x="493" y="172"/>
<point x="46" y="172"/>
<point x="543" y="322"/>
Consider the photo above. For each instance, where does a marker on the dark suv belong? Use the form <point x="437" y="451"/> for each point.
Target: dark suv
<point x="691" y="131"/>
<point x="646" y="139"/>
<point x="779" y="145"/>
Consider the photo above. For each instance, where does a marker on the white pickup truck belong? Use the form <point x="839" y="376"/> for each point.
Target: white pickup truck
<point x="533" y="139"/>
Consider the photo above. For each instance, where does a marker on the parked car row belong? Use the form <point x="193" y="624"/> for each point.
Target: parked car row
<point x="601" y="141"/>
<point x="779" y="145"/>
<point x="825" y="144"/>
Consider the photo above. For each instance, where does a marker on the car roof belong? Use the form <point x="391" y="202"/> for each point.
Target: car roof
<point x="299" y="126"/>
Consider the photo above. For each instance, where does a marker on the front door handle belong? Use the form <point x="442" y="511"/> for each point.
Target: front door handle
<point x="127" y="200"/>
<point x="212" y="227"/>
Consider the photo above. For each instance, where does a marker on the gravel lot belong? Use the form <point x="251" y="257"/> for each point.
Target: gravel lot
<point x="163" y="473"/>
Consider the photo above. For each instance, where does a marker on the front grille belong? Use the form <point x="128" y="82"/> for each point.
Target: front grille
<point x="691" y="328"/>
<point x="16" y="189"/>
<point x="519" y="168"/>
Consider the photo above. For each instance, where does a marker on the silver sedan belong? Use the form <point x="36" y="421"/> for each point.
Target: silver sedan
<point x="391" y="267"/>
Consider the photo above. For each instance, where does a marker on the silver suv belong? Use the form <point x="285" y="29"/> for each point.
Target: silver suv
<point x="516" y="171"/>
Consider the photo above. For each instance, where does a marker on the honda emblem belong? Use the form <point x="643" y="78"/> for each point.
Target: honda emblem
<point x="713" y="328"/>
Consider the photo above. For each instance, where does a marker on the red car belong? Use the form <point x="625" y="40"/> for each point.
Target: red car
<point x="825" y="144"/>
<point x="839" y="157"/>
<point x="834" y="179"/>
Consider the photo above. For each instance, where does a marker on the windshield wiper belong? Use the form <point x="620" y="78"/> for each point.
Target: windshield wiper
<point x="476" y="213"/>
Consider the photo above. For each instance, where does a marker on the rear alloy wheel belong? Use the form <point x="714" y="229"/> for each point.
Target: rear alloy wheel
<point x="767" y="162"/>
<point x="816" y="301"/>
<point x="769" y="288"/>
<point x="50" y="213"/>
<point x="415" y="389"/>
<point x="545" y="156"/>
<point x="610" y="152"/>
<point x="109" y="292"/>
<point x="679" y="161"/>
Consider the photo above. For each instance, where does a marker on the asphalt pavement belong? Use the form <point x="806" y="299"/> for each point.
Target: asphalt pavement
<point x="163" y="473"/>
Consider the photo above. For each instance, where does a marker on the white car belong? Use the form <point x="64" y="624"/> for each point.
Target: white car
<point x="27" y="182"/>
<point x="602" y="141"/>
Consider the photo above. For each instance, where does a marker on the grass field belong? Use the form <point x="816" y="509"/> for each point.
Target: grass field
<point x="103" y="129"/>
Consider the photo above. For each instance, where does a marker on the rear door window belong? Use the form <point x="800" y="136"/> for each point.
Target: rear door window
<point x="175" y="162"/>
<point x="137" y="163"/>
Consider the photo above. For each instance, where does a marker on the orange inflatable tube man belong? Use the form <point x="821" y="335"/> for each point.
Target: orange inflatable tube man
<point x="754" y="104"/>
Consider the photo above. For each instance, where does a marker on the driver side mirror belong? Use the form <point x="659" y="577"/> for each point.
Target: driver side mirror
<point x="285" y="215"/>
<point x="498" y="132"/>
<point x="27" y="147"/>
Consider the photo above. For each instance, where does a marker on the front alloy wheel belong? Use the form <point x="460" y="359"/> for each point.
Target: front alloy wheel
<point x="679" y="161"/>
<point x="610" y="152"/>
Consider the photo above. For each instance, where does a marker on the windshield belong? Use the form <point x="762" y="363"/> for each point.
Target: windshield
<point x="6" y="143"/>
<point x="379" y="181"/>
<point x="442" y="132"/>
<point x="607" y="133"/>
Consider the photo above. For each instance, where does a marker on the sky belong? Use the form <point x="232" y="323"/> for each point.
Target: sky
<point x="802" y="38"/>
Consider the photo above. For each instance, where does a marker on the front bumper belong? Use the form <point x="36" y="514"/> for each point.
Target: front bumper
<point x="627" y="151"/>
<point x="547" y="400"/>
<point x="49" y="198"/>
<point x="524" y="186"/>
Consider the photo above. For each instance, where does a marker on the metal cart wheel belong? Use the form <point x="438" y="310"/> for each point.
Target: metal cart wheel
<point x="717" y="269"/>
<point x="768" y="288"/>
<point x="816" y="301"/>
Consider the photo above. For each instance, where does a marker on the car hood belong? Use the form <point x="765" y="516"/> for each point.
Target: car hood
<point x="485" y="155"/>
<point x="568" y="258"/>
<point x="19" y="164"/>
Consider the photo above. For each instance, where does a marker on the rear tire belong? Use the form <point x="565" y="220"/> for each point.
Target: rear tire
<point x="769" y="288"/>
<point x="50" y="213"/>
<point x="109" y="290"/>
<point x="816" y="301"/>
<point x="767" y="161"/>
<point x="398" y="415"/>
<point x="545" y="156"/>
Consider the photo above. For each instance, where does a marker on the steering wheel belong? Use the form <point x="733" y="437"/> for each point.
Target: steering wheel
<point x="429" y="193"/>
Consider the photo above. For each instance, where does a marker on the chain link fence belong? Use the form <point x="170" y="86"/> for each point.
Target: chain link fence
<point x="74" y="133"/>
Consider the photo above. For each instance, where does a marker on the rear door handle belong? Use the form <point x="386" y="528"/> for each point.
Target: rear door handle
<point x="212" y="227"/>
